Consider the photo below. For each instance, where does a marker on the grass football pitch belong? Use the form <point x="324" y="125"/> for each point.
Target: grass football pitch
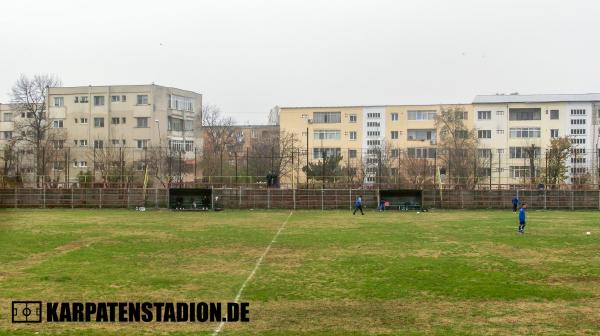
<point x="327" y="273"/>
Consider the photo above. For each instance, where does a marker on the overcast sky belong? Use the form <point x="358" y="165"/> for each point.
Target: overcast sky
<point x="248" y="56"/>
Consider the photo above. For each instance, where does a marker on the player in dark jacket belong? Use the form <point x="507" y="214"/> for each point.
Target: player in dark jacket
<point x="515" y="203"/>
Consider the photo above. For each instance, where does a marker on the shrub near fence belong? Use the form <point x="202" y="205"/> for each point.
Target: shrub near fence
<point x="317" y="199"/>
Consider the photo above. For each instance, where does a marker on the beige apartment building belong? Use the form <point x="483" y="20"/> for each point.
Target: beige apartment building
<point x="359" y="133"/>
<point x="89" y="124"/>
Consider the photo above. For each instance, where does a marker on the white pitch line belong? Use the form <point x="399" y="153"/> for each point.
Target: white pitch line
<point x="258" y="262"/>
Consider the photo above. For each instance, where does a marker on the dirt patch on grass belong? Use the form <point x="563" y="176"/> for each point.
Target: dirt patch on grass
<point x="17" y="267"/>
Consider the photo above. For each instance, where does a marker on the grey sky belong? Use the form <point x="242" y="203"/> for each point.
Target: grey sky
<point x="247" y="56"/>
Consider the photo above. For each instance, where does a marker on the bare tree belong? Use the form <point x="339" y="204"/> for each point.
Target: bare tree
<point x="457" y="146"/>
<point x="220" y="136"/>
<point x="29" y="98"/>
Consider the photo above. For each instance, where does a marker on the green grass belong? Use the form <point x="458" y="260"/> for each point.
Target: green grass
<point x="437" y="273"/>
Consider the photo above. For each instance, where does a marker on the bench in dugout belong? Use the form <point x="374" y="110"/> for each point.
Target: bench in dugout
<point x="402" y="199"/>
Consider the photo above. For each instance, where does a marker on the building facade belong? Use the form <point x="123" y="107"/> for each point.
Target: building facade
<point x="512" y="123"/>
<point x="366" y="135"/>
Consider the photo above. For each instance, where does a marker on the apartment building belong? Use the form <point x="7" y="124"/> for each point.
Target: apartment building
<point x="7" y="115"/>
<point x="358" y="133"/>
<point x="124" y="116"/>
<point x="509" y="123"/>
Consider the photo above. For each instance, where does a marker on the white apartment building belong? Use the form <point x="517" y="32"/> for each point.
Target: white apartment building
<point x="508" y="123"/>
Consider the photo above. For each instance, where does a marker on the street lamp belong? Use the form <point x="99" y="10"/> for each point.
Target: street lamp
<point x="158" y="125"/>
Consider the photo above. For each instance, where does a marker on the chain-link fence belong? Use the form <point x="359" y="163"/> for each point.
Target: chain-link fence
<point x="286" y="168"/>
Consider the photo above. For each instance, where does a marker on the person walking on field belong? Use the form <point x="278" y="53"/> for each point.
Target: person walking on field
<point x="522" y="218"/>
<point x="358" y="205"/>
<point x="515" y="203"/>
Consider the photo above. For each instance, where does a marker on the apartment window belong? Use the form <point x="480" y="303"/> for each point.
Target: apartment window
<point x="374" y="115"/>
<point x="525" y="114"/>
<point x="578" y="112"/>
<point x="174" y="124"/>
<point x="327" y="117"/>
<point x="352" y="153"/>
<point x="484" y="153"/>
<point x="181" y="103"/>
<point x="520" y="172"/>
<point x="115" y="99"/>
<point x="421" y="153"/>
<point x="461" y="134"/>
<point x="578" y="170"/>
<point x="578" y="160"/>
<point x="352" y="118"/>
<point x="98" y="122"/>
<point x="484" y="115"/>
<point x="394" y="116"/>
<point x="188" y="125"/>
<point x="327" y="135"/>
<point x="421" y="115"/>
<point x="142" y="99"/>
<point x="554" y="114"/>
<point x="373" y="133"/>
<point x="578" y="131"/>
<point x="6" y="135"/>
<point x="319" y="153"/>
<point x="123" y="142"/>
<point x="253" y="134"/>
<point x="59" y="101"/>
<point x="98" y="100"/>
<point x="373" y="142"/>
<point x="83" y="164"/>
<point x="531" y="132"/>
<point x="523" y="152"/>
<point x="394" y="134"/>
<point x="58" y="144"/>
<point x="7" y="117"/>
<point x="98" y="144"/>
<point x="142" y="143"/>
<point x="141" y="122"/>
<point x="578" y="141"/>
<point x="115" y="142"/>
<point x="461" y="115"/>
<point x="83" y="143"/>
<point x="115" y="121"/>
<point x="373" y="124"/>
<point x="189" y="145"/>
<point x="500" y="131"/>
<point x="420" y="134"/>
<point x="58" y="165"/>
<point x="123" y="120"/>
<point x="554" y="133"/>
<point x="499" y="113"/>
<point x="81" y="99"/>
<point x="395" y="152"/>
<point x="352" y="135"/>
<point x="58" y="123"/>
<point x="484" y="134"/>
<point x="83" y="120"/>
<point x="579" y="151"/>
<point x="577" y="121"/>
<point x="484" y="171"/>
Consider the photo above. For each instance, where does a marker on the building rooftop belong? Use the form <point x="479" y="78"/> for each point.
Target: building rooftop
<point x="536" y="98"/>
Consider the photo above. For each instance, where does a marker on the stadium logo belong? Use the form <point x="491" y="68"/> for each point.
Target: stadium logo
<point x="31" y="312"/>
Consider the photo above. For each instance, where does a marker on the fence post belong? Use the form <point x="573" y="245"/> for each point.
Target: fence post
<point x="462" y="201"/>
<point x="72" y="199"/>
<point x="127" y="198"/>
<point x="322" y="204"/>
<point x="44" y="196"/>
<point x="294" y="197"/>
<point x="156" y="198"/>
<point x="100" y="199"/>
<point x="240" y="198"/>
<point x="350" y="203"/>
<point x="598" y="199"/>
<point x="545" y="196"/>
<point x="572" y="196"/>
<point x="268" y="198"/>
<point x="17" y="200"/>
